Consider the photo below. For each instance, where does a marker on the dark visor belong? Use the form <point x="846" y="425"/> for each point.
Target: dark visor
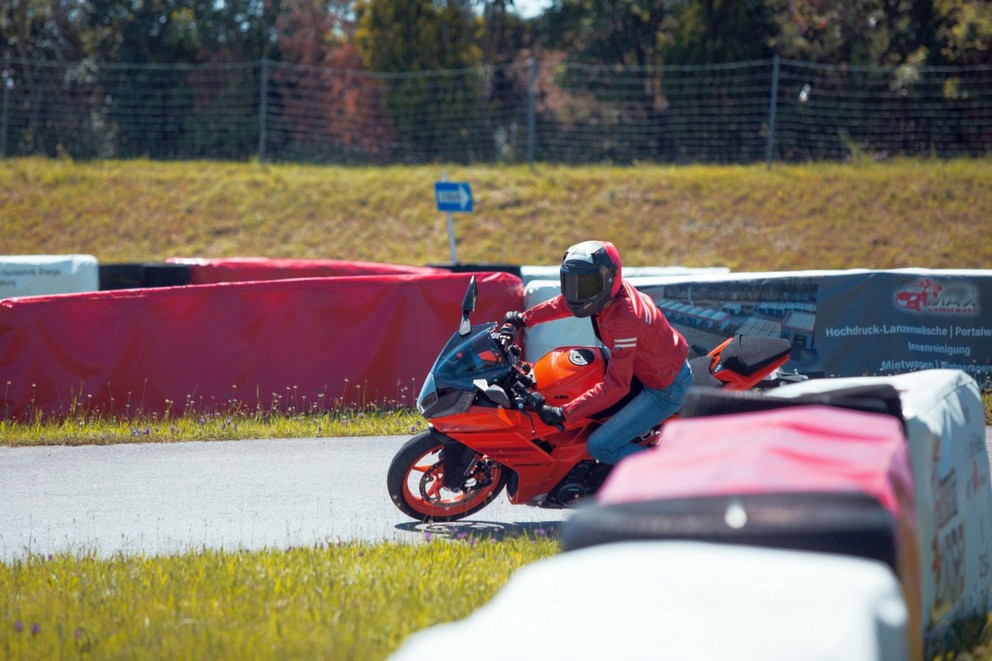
<point x="582" y="286"/>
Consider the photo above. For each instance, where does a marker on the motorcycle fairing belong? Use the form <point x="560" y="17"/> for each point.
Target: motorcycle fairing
<point x="448" y="388"/>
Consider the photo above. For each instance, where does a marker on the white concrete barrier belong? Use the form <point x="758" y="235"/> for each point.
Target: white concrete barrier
<point x="40" y="275"/>
<point x="951" y="466"/>
<point x="683" y="600"/>
<point x="542" y="338"/>
<point x="528" y="273"/>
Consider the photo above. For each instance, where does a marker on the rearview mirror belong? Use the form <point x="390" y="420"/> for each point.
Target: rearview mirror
<point x="468" y="307"/>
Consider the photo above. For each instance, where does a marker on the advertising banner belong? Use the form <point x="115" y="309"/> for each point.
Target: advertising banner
<point x="892" y="322"/>
<point x="840" y="323"/>
<point x="41" y="275"/>
<point x="709" y="309"/>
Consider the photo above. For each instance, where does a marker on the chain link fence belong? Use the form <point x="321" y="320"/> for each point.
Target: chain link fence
<point x="546" y="111"/>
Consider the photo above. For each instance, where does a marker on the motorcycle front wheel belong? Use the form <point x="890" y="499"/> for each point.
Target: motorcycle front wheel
<point x="416" y="482"/>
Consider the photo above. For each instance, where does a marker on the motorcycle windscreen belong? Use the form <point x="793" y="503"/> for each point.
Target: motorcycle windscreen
<point x="466" y="358"/>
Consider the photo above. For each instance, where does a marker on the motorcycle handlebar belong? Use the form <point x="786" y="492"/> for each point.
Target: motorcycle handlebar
<point x="532" y="399"/>
<point x="523" y="384"/>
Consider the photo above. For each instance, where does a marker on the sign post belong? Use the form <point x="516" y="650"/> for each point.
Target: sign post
<point x="452" y="197"/>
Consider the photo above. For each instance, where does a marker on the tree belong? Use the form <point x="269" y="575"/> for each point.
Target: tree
<point x="322" y="80"/>
<point x="43" y="29"/>
<point x="611" y="32"/>
<point x="964" y="32"/>
<point x="852" y="32"/>
<point x="504" y="34"/>
<point x="410" y="37"/>
<point x="417" y="35"/>
<point x="717" y="31"/>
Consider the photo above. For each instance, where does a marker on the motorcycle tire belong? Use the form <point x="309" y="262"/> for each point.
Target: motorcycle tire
<point x="416" y="482"/>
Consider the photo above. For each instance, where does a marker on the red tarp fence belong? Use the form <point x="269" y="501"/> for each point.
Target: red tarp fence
<point x="243" y="269"/>
<point x="297" y="344"/>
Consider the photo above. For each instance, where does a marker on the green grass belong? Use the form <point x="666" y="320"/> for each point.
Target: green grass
<point x="228" y="425"/>
<point x="336" y="601"/>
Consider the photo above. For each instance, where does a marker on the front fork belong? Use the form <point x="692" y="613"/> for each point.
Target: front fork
<point x="457" y="459"/>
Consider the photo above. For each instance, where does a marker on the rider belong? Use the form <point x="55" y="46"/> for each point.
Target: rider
<point x="641" y="343"/>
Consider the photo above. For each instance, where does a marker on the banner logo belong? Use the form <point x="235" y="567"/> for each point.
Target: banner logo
<point x="929" y="296"/>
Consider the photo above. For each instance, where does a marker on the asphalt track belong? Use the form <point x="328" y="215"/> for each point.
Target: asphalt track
<point x="167" y="498"/>
<point x="171" y="498"/>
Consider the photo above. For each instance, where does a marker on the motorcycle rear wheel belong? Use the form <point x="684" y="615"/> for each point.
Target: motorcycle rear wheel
<point x="416" y="482"/>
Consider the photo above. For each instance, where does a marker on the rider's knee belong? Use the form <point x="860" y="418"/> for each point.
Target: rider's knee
<point x="601" y="452"/>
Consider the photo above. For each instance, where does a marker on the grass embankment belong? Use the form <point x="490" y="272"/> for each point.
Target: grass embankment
<point x="913" y="213"/>
<point x="346" y="601"/>
<point x="360" y="601"/>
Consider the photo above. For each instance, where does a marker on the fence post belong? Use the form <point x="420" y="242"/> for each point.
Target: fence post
<point x="531" y="111"/>
<point x="772" y="107"/>
<point x="6" y="82"/>
<point x="263" y="107"/>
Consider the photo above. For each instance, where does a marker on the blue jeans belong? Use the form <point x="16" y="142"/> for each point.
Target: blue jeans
<point x="612" y="441"/>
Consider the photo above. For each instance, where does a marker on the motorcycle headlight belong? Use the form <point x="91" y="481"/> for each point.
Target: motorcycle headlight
<point x="435" y="403"/>
<point x="428" y="395"/>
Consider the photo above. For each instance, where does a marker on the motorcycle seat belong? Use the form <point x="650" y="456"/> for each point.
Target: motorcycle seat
<point x="746" y="354"/>
<point x="701" y="375"/>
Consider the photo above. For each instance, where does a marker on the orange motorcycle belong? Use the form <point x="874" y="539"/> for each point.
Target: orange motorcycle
<point x="484" y="434"/>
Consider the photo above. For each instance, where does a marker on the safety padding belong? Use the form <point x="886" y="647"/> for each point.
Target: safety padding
<point x="944" y="421"/>
<point x="871" y="398"/>
<point x="570" y="331"/>
<point x="684" y="600"/>
<point x="849" y="523"/>
<point x="287" y="344"/>
<point x="816" y="455"/>
<point x="243" y="269"/>
<point x="143" y="275"/>
<point x="44" y="275"/>
<point x="484" y="267"/>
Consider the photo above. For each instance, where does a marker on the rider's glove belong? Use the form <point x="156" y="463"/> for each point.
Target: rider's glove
<point x="551" y="415"/>
<point x="514" y="319"/>
<point x="512" y="322"/>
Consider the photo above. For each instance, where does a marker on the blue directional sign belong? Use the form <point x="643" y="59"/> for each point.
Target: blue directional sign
<point x="453" y="196"/>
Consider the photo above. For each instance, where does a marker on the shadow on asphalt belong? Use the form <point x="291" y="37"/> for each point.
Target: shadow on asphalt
<point x="482" y="529"/>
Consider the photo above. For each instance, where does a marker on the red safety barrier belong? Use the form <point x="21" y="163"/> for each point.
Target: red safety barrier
<point x="243" y="269"/>
<point x="773" y="451"/>
<point x="296" y="344"/>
